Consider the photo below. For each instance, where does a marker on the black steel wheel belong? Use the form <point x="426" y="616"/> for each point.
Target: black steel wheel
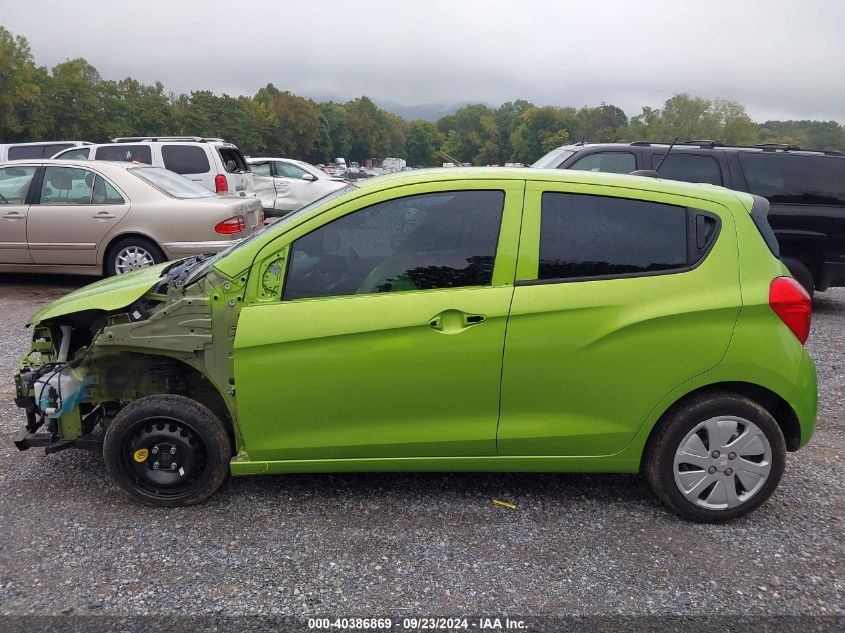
<point x="167" y="450"/>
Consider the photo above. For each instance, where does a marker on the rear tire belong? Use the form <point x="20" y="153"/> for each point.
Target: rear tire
<point x="802" y="274"/>
<point x="167" y="450"/>
<point x="132" y="253"/>
<point x="715" y="457"/>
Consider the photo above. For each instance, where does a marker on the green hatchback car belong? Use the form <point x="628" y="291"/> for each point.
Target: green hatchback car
<point x="447" y="320"/>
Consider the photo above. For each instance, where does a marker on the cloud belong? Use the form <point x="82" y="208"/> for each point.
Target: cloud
<point x="780" y="58"/>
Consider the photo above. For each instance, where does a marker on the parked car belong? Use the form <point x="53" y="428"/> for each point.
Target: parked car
<point x="211" y="162"/>
<point x="285" y="185"/>
<point x="27" y="151"/>
<point x="805" y="188"/>
<point x="650" y="326"/>
<point x="97" y="218"/>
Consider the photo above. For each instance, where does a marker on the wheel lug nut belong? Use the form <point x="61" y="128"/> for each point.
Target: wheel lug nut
<point x="731" y="455"/>
<point x="729" y="471"/>
<point x="716" y="454"/>
<point x="711" y="470"/>
<point x="172" y="450"/>
<point x="155" y="450"/>
<point x="173" y="466"/>
<point x="155" y="465"/>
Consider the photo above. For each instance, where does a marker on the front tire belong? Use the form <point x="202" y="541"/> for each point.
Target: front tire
<point x="167" y="450"/>
<point x="715" y="457"/>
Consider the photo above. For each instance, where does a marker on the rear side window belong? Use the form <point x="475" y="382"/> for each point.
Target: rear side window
<point x="67" y="186"/>
<point x="233" y="160"/>
<point x="185" y="159"/>
<point x="596" y="236"/>
<point x="126" y="153"/>
<point x="608" y="162"/>
<point x="75" y="154"/>
<point x="688" y="167"/>
<point x="105" y="193"/>
<point x="795" y="179"/>
<point x="262" y="169"/>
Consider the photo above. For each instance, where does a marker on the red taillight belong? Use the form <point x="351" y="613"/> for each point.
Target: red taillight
<point x="232" y="225"/>
<point x="221" y="185"/>
<point x="792" y="304"/>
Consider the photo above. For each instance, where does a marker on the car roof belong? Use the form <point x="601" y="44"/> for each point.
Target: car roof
<point x="698" y="146"/>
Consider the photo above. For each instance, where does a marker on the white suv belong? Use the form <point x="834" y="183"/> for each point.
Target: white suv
<point x="211" y="162"/>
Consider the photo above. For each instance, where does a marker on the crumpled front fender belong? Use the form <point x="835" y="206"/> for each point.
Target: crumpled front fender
<point x="106" y="294"/>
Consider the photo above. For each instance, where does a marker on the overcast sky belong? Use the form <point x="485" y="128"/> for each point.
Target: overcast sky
<point x="781" y="59"/>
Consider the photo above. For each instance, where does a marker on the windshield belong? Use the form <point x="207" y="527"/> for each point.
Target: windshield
<point x="553" y="159"/>
<point x="172" y="184"/>
<point x="206" y="265"/>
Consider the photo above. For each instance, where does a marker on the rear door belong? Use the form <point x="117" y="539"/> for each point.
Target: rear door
<point x="689" y="166"/>
<point x="621" y="296"/>
<point x="15" y="184"/>
<point x="73" y="212"/>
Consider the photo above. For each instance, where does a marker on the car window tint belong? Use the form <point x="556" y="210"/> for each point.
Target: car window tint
<point x="67" y="185"/>
<point x="590" y="236"/>
<point x="75" y="154"/>
<point x="796" y="178"/>
<point x="105" y="193"/>
<point x="233" y="161"/>
<point x="289" y="170"/>
<point x="688" y="167"/>
<point x="25" y="152"/>
<point x="609" y="162"/>
<point x="423" y="242"/>
<point x="126" y="153"/>
<point x="48" y="151"/>
<point x="261" y="169"/>
<point x="14" y="184"/>
<point x="185" y="159"/>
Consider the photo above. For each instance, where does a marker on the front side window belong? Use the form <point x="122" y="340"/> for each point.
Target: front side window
<point x="289" y="170"/>
<point x="553" y="159"/>
<point x="422" y="242"/>
<point x="607" y="162"/>
<point x="795" y="179"/>
<point x="14" y="184"/>
<point x="67" y="185"/>
<point x="597" y="236"/>
<point x="688" y="167"/>
<point x="126" y="153"/>
<point x="185" y="159"/>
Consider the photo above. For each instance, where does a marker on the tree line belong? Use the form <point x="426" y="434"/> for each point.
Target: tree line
<point x="72" y="101"/>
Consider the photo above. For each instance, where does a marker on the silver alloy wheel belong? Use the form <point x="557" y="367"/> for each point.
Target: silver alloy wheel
<point x="722" y="462"/>
<point x="132" y="258"/>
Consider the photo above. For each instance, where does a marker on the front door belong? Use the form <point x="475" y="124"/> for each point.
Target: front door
<point x="14" y="186"/>
<point x="388" y="338"/>
<point x="620" y="298"/>
<point x="75" y="211"/>
<point x="292" y="190"/>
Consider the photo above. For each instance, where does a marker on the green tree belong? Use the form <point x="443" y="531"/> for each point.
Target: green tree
<point x="421" y="141"/>
<point x="73" y="107"/>
<point x="20" y="87"/>
<point x="293" y="123"/>
<point x="471" y="134"/>
<point x="540" y="130"/>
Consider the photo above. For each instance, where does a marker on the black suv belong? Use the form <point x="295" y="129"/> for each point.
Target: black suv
<point x="806" y="190"/>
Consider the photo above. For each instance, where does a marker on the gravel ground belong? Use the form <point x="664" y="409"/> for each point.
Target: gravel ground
<point x="413" y="543"/>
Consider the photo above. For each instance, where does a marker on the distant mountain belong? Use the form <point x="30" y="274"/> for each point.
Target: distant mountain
<point x="425" y="111"/>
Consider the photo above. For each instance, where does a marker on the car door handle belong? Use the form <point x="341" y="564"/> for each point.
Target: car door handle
<point x="103" y="215"/>
<point x="14" y="215"/>
<point x="454" y="321"/>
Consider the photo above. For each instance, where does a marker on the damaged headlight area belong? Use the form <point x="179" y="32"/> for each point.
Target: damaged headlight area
<point x="84" y="367"/>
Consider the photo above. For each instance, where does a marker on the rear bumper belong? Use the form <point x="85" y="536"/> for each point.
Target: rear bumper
<point x="831" y="275"/>
<point x="804" y="398"/>
<point x="177" y="250"/>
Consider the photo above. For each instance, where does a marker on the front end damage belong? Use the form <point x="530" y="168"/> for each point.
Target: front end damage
<point x="86" y="364"/>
